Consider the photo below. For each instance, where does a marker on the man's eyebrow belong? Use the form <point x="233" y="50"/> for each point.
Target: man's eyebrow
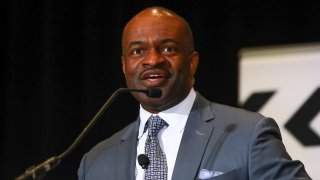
<point x="134" y="43"/>
<point x="169" y="41"/>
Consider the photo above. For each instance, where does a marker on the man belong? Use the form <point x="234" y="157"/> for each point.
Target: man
<point x="197" y="139"/>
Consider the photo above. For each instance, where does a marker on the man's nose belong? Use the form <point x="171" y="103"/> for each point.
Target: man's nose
<point x="154" y="58"/>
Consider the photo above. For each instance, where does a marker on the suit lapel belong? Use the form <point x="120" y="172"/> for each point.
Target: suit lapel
<point x="194" y="141"/>
<point x="127" y="151"/>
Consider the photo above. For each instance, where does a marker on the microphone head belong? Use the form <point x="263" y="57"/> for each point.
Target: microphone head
<point x="154" y="92"/>
<point x="143" y="160"/>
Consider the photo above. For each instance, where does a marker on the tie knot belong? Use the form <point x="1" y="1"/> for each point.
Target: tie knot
<point x="155" y="124"/>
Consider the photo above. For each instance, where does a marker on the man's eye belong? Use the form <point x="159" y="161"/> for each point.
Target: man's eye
<point x="168" y="49"/>
<point x="137" y="51"/>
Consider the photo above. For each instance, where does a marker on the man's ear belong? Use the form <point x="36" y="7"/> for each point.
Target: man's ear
<point x="123" y="65"/>
<point x="194" y="62"/>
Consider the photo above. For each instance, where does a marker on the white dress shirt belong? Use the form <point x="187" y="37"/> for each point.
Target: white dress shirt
<point x="169" y="137"/>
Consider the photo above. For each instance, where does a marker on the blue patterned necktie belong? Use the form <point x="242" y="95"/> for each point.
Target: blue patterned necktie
<point x="158" y="169"/>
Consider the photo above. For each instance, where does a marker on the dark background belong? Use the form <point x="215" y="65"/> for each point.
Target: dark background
<point x="62" y="61"/>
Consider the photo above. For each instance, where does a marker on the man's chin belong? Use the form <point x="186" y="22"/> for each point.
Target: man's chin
<point x="151" y="107"/>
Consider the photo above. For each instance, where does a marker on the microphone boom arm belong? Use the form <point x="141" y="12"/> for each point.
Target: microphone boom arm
<point x="39" y="171"/>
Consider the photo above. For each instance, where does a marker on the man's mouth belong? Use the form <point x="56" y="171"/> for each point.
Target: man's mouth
<point x="154" y="74"/>
<point x="154" y="78"/>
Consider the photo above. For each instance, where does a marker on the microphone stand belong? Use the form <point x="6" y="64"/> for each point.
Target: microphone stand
<point x="39" y="171"/>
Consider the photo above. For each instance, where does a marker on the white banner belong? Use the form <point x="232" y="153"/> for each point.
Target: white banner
<point x="283" y="82"/>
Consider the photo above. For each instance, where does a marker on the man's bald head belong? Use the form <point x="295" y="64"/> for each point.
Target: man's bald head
<point x="158" y="15"/>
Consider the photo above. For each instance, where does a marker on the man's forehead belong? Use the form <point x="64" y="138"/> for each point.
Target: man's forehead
<point x="152" y="21"/>
<point x="155" y="35"/>
<point x="154" y="28"/>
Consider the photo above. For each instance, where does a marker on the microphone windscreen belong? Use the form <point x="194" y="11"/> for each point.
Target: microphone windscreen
<point x="154" y="92"/>
<point x="143" y="160"/>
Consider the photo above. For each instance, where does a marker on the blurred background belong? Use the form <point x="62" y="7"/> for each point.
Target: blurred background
<point x="62" y="61"/>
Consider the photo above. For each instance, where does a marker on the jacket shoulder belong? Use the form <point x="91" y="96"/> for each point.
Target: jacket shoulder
<point x="225" y="111"/>
<point x="239" y="113"/>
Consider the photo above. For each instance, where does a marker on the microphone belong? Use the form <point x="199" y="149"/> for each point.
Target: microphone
<point x="150" y="92"/>
<point x="154" y="92"/>
<point x="39" y="171"/>
<point x="143" y="161"/>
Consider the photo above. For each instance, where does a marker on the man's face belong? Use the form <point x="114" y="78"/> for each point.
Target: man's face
<point x="157" y="53"/>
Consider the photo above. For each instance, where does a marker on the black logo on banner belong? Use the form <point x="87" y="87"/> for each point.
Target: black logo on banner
<point x="299" y="123"/>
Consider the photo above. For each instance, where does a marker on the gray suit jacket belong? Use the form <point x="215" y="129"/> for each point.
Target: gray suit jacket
<point x="219" y="142"/>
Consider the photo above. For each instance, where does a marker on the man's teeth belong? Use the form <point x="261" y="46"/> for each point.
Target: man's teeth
<point x="153" y="76"/>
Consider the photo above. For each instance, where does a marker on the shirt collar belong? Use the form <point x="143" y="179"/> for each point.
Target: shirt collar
<point x="175" y="116"/>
